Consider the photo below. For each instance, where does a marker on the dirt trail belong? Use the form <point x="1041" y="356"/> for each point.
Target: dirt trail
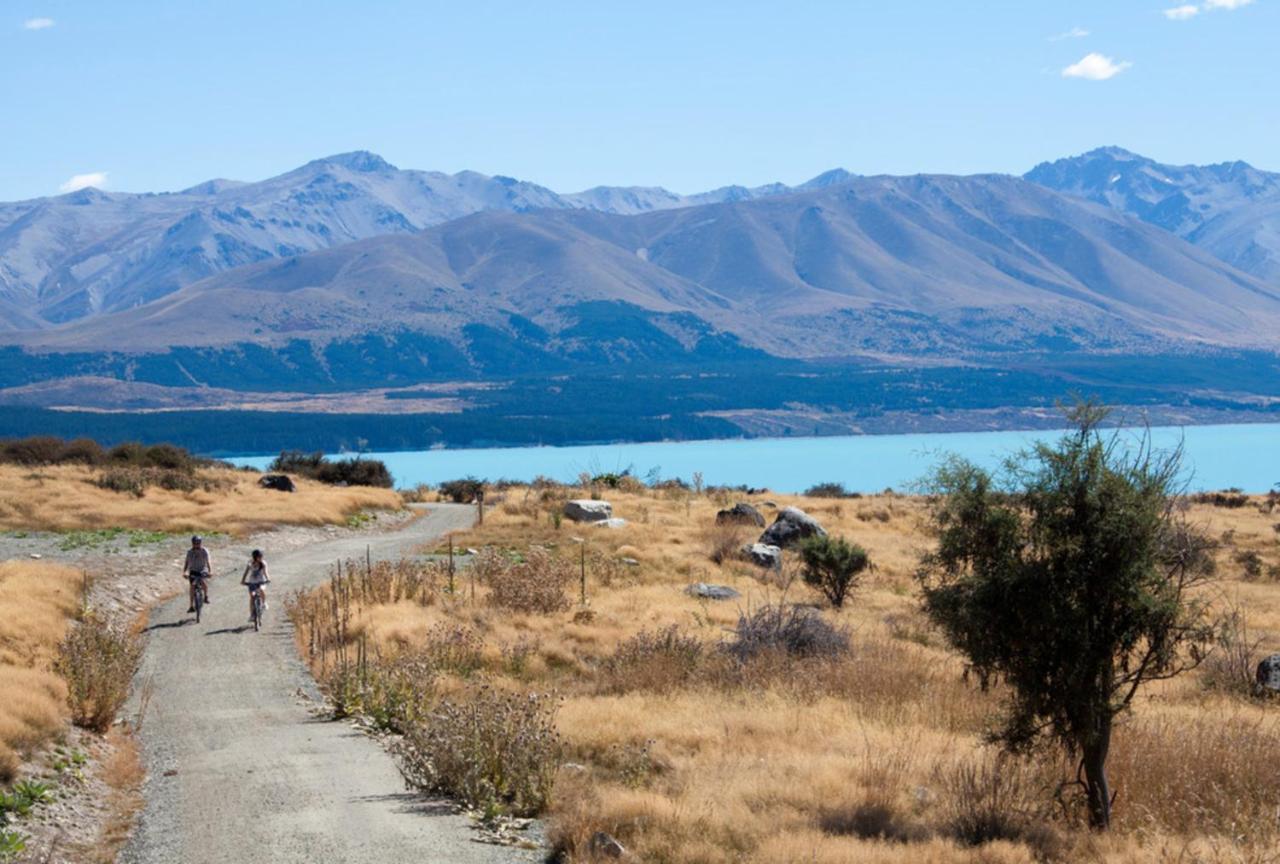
<point x="239" y="770"/>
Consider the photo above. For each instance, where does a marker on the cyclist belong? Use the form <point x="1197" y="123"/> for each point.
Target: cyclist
<point x="255" y="577"/>
<point x="197" y="568"/>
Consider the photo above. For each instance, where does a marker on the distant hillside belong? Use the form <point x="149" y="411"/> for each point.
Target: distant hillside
<point x="1231" y="209"/>
<point x="90" y="252"/>
<point x="926" y="266"/>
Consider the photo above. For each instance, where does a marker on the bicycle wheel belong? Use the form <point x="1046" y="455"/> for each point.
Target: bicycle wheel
<point x="199" y="604"/>
<point x="257" y="612"/>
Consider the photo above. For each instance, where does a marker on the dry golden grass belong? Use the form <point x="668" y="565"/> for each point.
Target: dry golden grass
<point x="731" y="764"/>
<point x="37" y="603"/>
<point x="65" y="498"/>
<point x="123" y="773"/>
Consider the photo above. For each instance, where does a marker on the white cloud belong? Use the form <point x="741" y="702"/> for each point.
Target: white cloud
<point x="1073" y="33"/>
<point x="1095" y="67"/>
<point x="37" y="24"/>
<point x="84" y="181"/>
<point x="1191" y="10"/>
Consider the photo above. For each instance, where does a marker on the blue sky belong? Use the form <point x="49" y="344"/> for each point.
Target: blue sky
<point x="689" y="95"/>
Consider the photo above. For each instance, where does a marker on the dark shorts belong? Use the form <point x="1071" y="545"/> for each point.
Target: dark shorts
<point x="253" y="586"/>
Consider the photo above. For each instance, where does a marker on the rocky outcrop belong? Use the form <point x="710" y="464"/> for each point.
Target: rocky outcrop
<point x="740" y="514"/>
<point x="278" y="482"/>
<point x="587" y="510"/>
<point x="791" y="526"/>
<point x="706" y="591"/>
<point x="763" y="555"/>
<point x="1268" y="675"/>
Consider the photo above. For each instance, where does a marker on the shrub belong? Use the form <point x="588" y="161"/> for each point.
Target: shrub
<point x="1232" y="665"/>
<point x="725" y="540"/>
<point x="85" y="451"/>
<point x="297" y="462"/>
<point x="656" y="661"/>
<point x="355" y="472"/>
<point x="830" y="490"/>
<point x="453" y="648"/>
<point x="463" y="491"/>
<point x="1250" y="564"/>
<point x="832" y="565"/>
<point x="36" y="450"/>
<point x="98" y="658"/>
<point x="536" y="584"/>
<point x="791" y="630"/>
<point x="495" y="751"/>
<point x="996" y="798"/>
<point x="1229" y="498"/>
<point x="129" y="481"/>
<point x="871" y="820"/>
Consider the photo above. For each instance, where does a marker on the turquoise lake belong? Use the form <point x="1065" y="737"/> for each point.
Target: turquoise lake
<point x="1216" y="457"/>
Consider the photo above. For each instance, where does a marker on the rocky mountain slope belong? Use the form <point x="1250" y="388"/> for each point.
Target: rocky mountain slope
<point x="925" y="266"/>
<point x="91" y="252"/>
<point x="1230" y="209"/>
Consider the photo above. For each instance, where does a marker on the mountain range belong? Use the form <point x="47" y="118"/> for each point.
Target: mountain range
<point x="351" y="273"/>
<point x="91" y="252"/>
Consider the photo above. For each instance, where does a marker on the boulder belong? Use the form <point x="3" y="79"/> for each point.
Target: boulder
<point x="278" y="482"/>
<point x="791" y="526"/>
<point x="604" y="846"/>
<point x="763" y="555"/>
<point x="1269" y="674"/>
<point x="587" y="510"/>
<point x="614" y="522"/>
<point x="740" y="514"/>
<point x="711" y="592"/>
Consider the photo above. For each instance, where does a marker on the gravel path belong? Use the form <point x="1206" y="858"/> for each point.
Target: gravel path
<point x="238" y="768"/>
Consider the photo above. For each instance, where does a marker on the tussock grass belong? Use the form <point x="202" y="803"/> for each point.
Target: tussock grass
<point x="37" y="603"/>
<point x="71" y="498"/>
<point x="690" y="755"/>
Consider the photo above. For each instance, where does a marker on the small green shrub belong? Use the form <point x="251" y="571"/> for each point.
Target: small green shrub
<point x="12" y="844"/>
<point x="495" y="751"/>
<point x="830" y="490"/>
<point x="98" y="659"/>
<point x="463" y="491"/>
<point x="355" y="471"/>
<point x="832" y="565"/>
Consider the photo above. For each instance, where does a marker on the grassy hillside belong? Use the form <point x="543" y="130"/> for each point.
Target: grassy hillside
<point x="79" y="498"/>
<point x="685" y="754"/>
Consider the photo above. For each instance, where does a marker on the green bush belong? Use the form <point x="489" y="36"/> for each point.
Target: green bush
<point x="462" y="491"/>
<point x="830" y="490"/>
<point x="355" y="471"/>
<point x="833" y="565"/>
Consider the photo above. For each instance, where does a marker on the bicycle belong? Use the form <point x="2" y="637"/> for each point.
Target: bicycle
<point x="256" y="596"/>
<point x="198" y="586"/>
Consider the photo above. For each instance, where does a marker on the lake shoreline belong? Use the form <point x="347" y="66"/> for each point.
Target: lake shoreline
<point x="1218" y="456"/>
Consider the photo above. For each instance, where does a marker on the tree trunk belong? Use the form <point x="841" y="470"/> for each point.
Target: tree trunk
<point x="1097" y="788"/>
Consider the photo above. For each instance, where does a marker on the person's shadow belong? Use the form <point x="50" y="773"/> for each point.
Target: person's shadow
<point x="243" y="628"/>
<point x="168" y="625"/>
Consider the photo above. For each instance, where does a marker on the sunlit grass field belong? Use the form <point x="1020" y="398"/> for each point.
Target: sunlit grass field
<point x="873" y="756"/>
<point x="38" y="601"/>
<point x="68" y="498"/>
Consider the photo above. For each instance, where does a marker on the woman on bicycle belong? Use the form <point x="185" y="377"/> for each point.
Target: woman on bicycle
<point x="255" y="577"/>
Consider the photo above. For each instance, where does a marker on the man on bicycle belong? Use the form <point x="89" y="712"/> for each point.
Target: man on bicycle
<point x="196" y="569"/>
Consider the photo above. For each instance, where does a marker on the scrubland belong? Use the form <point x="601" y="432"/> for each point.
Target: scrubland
<point x="687" y="753"/>
<point x="86" y="498"/>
